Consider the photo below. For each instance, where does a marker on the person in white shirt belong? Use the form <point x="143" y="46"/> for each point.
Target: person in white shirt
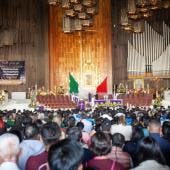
<point x="122" y="128"/>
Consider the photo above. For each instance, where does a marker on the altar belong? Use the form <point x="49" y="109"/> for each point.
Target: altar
<point x="142" y="99"/>
<point x="18" y="95"/>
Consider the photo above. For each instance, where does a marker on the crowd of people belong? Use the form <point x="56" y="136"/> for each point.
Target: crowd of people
<point x="118" y="138"/>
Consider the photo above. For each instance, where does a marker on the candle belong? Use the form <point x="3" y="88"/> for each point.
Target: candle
<point x="114" y="90"/>
<point x="36" y="89"/>
<point x="55" y="89"/>
<point x="148" y="88"/>
<point x="126" y="88"/>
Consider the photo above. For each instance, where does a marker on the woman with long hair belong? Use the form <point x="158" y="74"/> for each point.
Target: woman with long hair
<point x="150" y="155"/>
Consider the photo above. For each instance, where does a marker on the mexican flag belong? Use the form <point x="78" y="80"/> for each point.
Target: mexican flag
<point x="102" y="87"/>
<point x="74" y="86"/>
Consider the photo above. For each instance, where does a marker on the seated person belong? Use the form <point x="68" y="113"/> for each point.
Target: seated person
<point x="155" y="132"/>
<point x="65" y="155"/>
<point x="75" y="135"/>
<point x="150" y="156"/>
<point x="9" y="149"/>
<point x="101" y="146"/>
<point x="117" y="154"/>
<point x="50" y="134"/>
<point x="31" y="145"/>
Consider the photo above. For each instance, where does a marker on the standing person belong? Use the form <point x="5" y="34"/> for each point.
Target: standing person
<point x="9" y="151"/>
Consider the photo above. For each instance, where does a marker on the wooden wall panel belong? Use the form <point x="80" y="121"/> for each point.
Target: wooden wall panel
<point x="28" y="19"/>
<point x="87" y="54"/>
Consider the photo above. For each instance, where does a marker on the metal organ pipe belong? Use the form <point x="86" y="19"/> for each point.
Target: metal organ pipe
<point x="151" y="51"/>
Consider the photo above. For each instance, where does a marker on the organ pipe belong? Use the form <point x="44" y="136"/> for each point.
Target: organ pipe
<point x="149" y="52"/>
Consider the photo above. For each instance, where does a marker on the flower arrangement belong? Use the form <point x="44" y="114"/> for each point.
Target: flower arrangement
<point x="2" y="97"/>
<point x="157" y="101"/>
<point x="108" y="104"/>
<point x="121" y="88"/>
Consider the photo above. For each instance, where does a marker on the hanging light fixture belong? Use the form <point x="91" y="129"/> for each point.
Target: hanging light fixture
<point x="82" y="15"/>
<point x="87" y="22"/>
<point x="125" y="22"/>
<point x="138" y="27"/>
<point x="54" y="2"/>
<point x="128" y="28"/>
<point x="70" y="13"/>
<point x="132" y="18"/>
<point x="142" y="3"/>
<point x="67" y="24"/>
<point x="146" y="14"/>
<point x="78" y="7"/>
<point x="78" y="14"/>
<point x="89" y="3"/>
<point x="131" y="7"/>
<point x="91" y="11"/>
<point x="66" y="4"/>
<point x="132" y="11"/>
<point x="155" y="4"/>
<point x="166" y="4"/>
<point x="77" y="24"/>
<point x="75" y="1"/>
<point x="124" y="17"/>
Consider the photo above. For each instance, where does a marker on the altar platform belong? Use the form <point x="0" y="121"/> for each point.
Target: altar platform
<point x="18" y="104"/>
<point x="23" y="104"/>
<point x="142" y="99"/>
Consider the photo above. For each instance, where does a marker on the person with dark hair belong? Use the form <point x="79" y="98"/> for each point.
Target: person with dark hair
<point x="71" y="121"/>
<point x="75" y="135"/>
<point x="106" y="125"/>
<point x="26" y="120"/>
<point x="50" y="134"/>
<point x="18" y="133"/>
<point x="117" y="154"/>
<point x="166" y="130"/>
<point x="155" y="132"/>
<point x="65" y="155"/>
<point x="85" y="135"/>
<point x="80" y="125"/>
<point x="57" y="118"/>
<point x="166" y="137"/>
<point x="39" y="123"/>
<point x="150" y="155"/>
<point x="31" y="145"/>
<point x="101" y="146"/>
<point x="144" y="120"/>
<point x="132" y="145"/>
